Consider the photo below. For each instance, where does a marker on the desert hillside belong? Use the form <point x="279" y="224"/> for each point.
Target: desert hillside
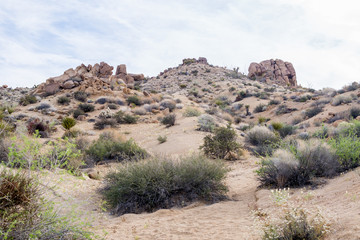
<point x="266" y="153"/>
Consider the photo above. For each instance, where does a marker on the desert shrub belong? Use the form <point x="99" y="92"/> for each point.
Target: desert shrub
<point x="6" y="128"/>
<point x="112" y="106"/>
<point x="134" y="100"/>
<point x="101" y="100"/>
<point x="262" y="120"/>
<point x="27" y="99"/>
<point x="81" y="96"/>
<point x="274" y="102"/>
<point x="260" y="135"/>
<point x="347" y="148"/>
<point x="26" y="215"/>
<point x="78" y="112"/>
<point x="191" y="112"/>
<point x="341" y="99"/>
<point x="322" y="133"/>
<point x="124" y="118"/>
<point x="167" y="103"/>
<point x="277" y="125"/>
<point x="303" y="135"/>
<point x="169" y="183"/>
<point x="35" y="125"/>
<point x="109" y="148"/>
<point x="297" y="120"/>
<point x="86" y="107"/>
<point x="9" y="109"/>
<point x="286" y="130"/>
<point x="206" y="123"/>
<point x="283" y="109"/>
<point x="311" y="112"/>
<point x="63" y="100"/>
<point x="260" y="108"/>
<point x="297" y="165"/>
<point x="169" y="120"/>
<point x="68" y="123"/>
<point x="222" y="143"/>
<point x="354" y="112"/>
<point x="139" y="111"/>
<point x="162" y="139"/>
<point x="43" y="106"/>
<point x="296" y="224"/>
<point x="103" y="122"/>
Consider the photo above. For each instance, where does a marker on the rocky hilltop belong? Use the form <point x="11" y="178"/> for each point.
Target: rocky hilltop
<point x="272" y="71"/>
<point x="90" y="79"/>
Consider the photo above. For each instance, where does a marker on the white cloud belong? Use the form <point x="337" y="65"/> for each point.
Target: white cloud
<point x="42" y="38"/>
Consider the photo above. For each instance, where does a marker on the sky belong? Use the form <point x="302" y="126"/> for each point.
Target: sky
<point x="43" y="38"/>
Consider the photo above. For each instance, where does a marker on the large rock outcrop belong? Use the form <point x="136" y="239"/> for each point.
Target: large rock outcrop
<point x="91" y="79"/>
<point x="276" y="71"/>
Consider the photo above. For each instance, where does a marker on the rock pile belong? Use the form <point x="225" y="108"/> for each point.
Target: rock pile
<point x="91" y="79"/>
<point x="274" y="70"/>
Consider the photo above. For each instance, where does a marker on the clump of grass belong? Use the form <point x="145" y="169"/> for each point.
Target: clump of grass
<point x="107" y="147"/>
<point x="191" y="112"/>
<point x="162" y="139"/>
<point x="169" y="183"/>
<point x="222" y="144"/>
<point x="27" y="99"/>
<point x="169" y="120"/>
<point x="81" y="96"/>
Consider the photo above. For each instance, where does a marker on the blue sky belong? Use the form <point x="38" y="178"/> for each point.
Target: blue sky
<point x="43" y="38"/>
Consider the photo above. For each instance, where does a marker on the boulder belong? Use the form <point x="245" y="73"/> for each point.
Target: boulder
<point x="137" y="77"/>
<point x="52" y="88"/>
<point x="68" y="84"/>
<point x="276" y="71"/>
<point x="121" y="69"/>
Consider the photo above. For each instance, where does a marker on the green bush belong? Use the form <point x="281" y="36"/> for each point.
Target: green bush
<point x="86" y="107"/>
<point x="277" y="125"/>
<point x="169" y="120"/>
<point x="164" y="183"/>
<point x="191" y="112"/>
<point x="134" y="100"/>
<point x="27" y="99"/>
<point x="347" y="148"/>
<point x="63" y="100"/>
<point x="222" y="143"/>
<point x="68" y="123"/>
<point x="26" y="215"/>
<point x="80" y="96"/>
<point x="109" y="148"/>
